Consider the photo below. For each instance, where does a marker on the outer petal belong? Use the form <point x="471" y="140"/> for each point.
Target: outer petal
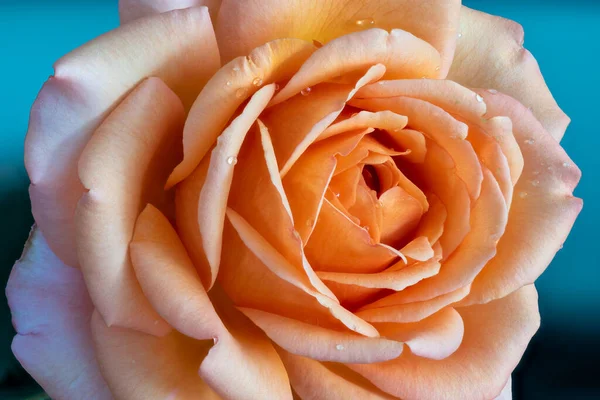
<point x="543" y="209"/>
<point x="124" y="166"/>
<point x="134" y="9"/>
<point x="179" y="47"/>
<point x="434" y="21"/>
<point x="496" y="335"/>
<point x="313" y="380"/>
<point x="490" y="54"/>
<point x="51" y="311"/>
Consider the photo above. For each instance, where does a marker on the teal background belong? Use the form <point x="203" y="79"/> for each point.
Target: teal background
<point x="564" y="36"/>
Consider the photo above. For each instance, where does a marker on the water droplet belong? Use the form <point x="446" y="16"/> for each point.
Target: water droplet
<point x="536" y="173"/>
<point x="459" y="35"/>
<point x="438" y="68"/>
<point x="229" y="83"/>
<point x="492" y="91"/>
<point x="529" y="141"/>
<point x="523" y="195"/>
<point x="379" y="204"/>
<point x="277" y="87"/>
<point x="381" y="82"/>
<point x="306" y="92"/>
<point x="232" y="160"/>
<point x="241" y="93"/>
<point x="310" y="222"/>
<point x="549" y="168"/>
<point x="339" y="347"/>
<point x="479" y="98"/>
<point x="257" y="82"/>
<point x="535" y="183"/>
<point x="337" y="195"/>
<point x="365" y="22"/>
<point x="215" y="340"/>
<point x="566" y="164"/>
<point x="236" y="69"/>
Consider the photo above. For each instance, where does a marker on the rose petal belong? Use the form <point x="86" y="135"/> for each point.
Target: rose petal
<point x="306" y="182"/>
<point x="213" y="197"/>
<point x="311" y="379"/>
<point x="432" y="222"/>
<point x="543" y="207"/>
<point x="123" y="167"/>
<point x="323" y="344"/>
<point x="389" y="279"/>
<point x="258" y="196"/>
<point x="234" y="83"/>
<point x="297" y="123"/>
<point x="435" y="21"/>
<point x="435" y="337"/>
<point x="366" y="209"/>
<point x="88" y="83"/>
<point x="130" y="10"/>
<point x="338" y="244"/>
<point x="402" y="54"/>
<point x="51" y="311"/>
<point x="395" y="307"/>
<point x="488" y="221"/>
<point x="441" y="127"/>
<point x="168" y="278"/>
<point x="490" y="54"/>
<point x="364" y="119"/>
<point x="418" y="249"/>
<point x="401" y="215"/>
<point x="495" y="337"/>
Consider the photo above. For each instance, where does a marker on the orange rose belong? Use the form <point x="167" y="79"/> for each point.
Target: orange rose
<point x="278" y="201"/>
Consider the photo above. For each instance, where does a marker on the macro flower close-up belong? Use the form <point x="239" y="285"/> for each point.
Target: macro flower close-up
<point x="277" y="199"/>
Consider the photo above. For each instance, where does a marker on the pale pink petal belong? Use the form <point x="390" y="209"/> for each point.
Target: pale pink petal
<point x="213" y="197"/>
<point x="233" y="84"/>
<point x="490" y="55"/>
<point x="123" y="167"/>
<point x="495" y="337"/>
<point x="178" y="47"/>
<point x="51" y="311"/>
<point x="435" y="337"/>
<point x="323" y="344"/>
<point x="435" y="21"/>
<point x="134" y="9"/>
<point x="543" y="209"/>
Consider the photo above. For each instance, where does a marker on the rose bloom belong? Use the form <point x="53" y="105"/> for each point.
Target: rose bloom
<point x="284" y="199"/>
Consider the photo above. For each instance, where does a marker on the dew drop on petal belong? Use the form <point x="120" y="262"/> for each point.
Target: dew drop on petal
<point x="566" y="164"/>
<point x="365" y="22"/>
<point x="310" y="222"/>
<point x="492" y="91"/>
<point x="229" y="83"/>
<point x="529" y="141"/>
<point x="536" y="173"/>
<point x="236" y="69"/>
<point x="277" y="87"/>
<point x="232" y="160"/>
<point x="535" y="183"/>
<point x="215" y="340"/>
<point x="257" y="82"/>
<point x="306" y="91"/>
<point x="438" y="68"/>
<point x="241" y="93"/>
<point x="339" y="347"/>
<point x="523" y="195"/>
<point x="459" y="35"/>
<point x="479" y="98"/>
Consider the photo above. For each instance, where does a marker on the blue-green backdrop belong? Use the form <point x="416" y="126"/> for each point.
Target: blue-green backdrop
<point x="564" y="36"/>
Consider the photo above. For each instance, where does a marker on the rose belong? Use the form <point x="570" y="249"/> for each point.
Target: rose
<point x="334" y="205"/>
